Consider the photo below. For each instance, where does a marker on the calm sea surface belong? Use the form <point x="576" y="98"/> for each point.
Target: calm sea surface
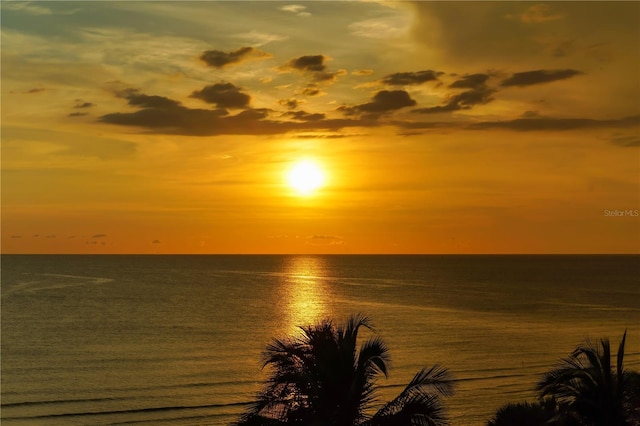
<point x="176" y="340"/>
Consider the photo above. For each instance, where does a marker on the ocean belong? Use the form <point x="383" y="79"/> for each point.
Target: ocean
<point x="177" y="340"/>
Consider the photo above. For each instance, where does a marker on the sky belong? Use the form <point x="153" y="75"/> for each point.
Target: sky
<point x="440" y="127"/>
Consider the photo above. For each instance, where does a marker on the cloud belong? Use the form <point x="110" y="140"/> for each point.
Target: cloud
<point x="173" y="118"/>
<point x="546" y="123"/>
<point x="381" y="28"/>
<point x="259" y="39"/>
<point x="626" y="141"/>
<point x="81" y="104"/>
<point x="470" y="81"/>
<point x="16" y="236"/>
<point x="296" y="9"/>
<point x="220" y="59"/>
<point x="310" y="90"/>
<point x="304" y="116"/>
<point x="529" y="78"/>
<point x="362" y="72"/>
<point x="409" y="78"/>
<point x="326" y="240"/>
<point x="307" y="63"/>
<point x="478" y="94"/>
<point x="138" y="99"/>
<point x="536" y="14"/>
<point x="383" y="101"/>
<point x="290" y="103"/>
<point x="315" y="66"/>
<point x="325" y="76"/>
<point x="223" y="95"/>
<point x="155" y="242"/>
<point x="96" y="236"/>
<point x="78" y="114"/>
<point x="27" y="7"/>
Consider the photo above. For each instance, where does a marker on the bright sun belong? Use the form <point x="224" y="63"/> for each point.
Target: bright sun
<point x="305" y="177"/>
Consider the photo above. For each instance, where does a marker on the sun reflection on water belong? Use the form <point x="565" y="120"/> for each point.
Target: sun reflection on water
<point x="305" y="292"/>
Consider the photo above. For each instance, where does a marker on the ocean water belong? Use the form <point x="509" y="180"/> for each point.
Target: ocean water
<point x="177" y="340"/>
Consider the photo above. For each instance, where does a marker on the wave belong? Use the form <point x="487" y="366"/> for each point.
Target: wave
<point x="34" y="286"/>
<point x="112" y="412"/>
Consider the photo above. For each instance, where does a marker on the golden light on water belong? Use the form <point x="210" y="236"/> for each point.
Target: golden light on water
<point x="306" y="292"/>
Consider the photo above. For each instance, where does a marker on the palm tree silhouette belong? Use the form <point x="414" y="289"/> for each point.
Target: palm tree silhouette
<point x="321" y="378"/>
<point x="588" y="390"/>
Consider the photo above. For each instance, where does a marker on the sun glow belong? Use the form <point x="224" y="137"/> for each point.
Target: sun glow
<point x="305" y="177"/>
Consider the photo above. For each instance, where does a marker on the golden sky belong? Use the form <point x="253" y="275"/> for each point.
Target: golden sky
<point x="439" y="127"/>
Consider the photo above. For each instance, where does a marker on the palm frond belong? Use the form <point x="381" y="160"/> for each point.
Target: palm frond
<point x="373" y="357"/>
<point x="420" y="409"/>
<point x="437" y="377"/>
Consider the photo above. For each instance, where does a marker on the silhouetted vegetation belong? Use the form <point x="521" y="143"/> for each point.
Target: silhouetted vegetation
<point x="585" y="389"/>
<point x="524" y="414"/>
<point x="321" y="378"/>
<point x="590" y="390"/>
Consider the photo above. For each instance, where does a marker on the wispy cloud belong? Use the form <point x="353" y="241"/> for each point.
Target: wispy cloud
<point x="542" y="124"/>
<point x="257" y="38"/>
<point x="27" y="7"/>
<point x="536" y="14"/>
<point x="297" y="9"/>
<point x="627" y="141"/>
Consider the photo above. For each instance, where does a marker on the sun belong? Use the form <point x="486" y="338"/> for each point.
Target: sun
<point x="305" y="177"/>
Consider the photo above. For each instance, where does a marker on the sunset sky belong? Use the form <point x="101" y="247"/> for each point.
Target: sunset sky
<point x="439" y="127"/>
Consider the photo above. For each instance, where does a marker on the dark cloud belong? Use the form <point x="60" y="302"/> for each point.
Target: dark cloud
<point x="84" y="105"/>
<point x="472" y="81"/>
<point x="223" y="95"/>
<point x="78" y="114"/>
<point x="155" y="242"/>
<point x="315" y="66"/>
<point x="304" y="116"/>
<point x="36" y="90"/>
<point x="289" y="103"/>
<point x="626" y="141"/>
<point x="461" y="101"/>
<point x="325" y="76"/>
<point x="308" y="63"/>
<point x="220" y="59"/>
<point x="171" y="120"/>
<point x="138" y="99"/>
<point x="99" y="236"/>
<point x="16" y="236"/>
<point x="529" y="78"/>
<point x="310" y="90"/>
<point x="177" y="119"/>
<point x="383" y="101"/>
<point x="409" y="78"/>
<point x="539" y="124"/>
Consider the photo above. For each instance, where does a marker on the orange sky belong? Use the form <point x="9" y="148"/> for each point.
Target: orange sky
<point x="441" y="127"/>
